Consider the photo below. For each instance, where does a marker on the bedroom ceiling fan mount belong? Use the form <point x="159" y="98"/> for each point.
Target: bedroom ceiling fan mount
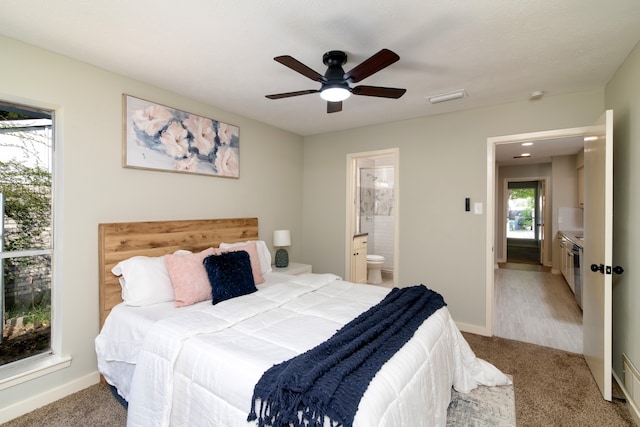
<point x="335" y="82"/>
<point x="335" y="89"/>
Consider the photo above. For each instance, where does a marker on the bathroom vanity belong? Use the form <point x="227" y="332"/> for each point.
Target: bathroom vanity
<point x="359" y="258"/>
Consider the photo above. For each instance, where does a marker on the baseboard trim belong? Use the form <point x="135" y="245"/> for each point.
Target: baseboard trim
<point x="633" y="409"/>
<point x="34" y="402"/>
<point x="473" y="329"/>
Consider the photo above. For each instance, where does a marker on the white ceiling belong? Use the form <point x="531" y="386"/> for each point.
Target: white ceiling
<point x="540" y="151"/>
<point x="221" y="52"/>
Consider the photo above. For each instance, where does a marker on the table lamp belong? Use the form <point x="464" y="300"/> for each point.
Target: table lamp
<point x="282" y="238"/>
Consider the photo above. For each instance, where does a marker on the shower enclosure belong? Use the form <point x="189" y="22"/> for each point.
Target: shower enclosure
<point x="375" y="208"/>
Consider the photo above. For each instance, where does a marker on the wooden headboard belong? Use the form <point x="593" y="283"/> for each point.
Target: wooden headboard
<point x="119" y="241"/>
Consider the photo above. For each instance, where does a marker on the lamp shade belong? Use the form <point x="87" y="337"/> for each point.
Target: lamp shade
<point x="281" y="238"/>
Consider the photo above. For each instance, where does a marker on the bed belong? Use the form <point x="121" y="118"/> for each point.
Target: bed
<point x="198" y="364"/>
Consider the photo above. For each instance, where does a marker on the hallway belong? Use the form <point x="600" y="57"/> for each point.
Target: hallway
<point x="536" y="307"/>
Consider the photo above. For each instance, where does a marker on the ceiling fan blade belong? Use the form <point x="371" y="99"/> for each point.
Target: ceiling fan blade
<point x="377" y="62"/>
<point x="290" y="94"/>
<point x="334" y="107"/>
<point x="382" y="92"/>
<point x="295" y="65"/>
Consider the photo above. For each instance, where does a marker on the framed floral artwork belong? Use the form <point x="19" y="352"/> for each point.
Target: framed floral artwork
<point x="162" y="138"/>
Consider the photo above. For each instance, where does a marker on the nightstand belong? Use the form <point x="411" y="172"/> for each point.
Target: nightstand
<point x="293" y="268"/>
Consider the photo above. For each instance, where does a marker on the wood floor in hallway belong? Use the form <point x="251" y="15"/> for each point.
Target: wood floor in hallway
<point x="536" y="307"/>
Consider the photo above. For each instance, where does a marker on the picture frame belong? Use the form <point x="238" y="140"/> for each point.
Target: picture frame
<point x="162" y="138"/>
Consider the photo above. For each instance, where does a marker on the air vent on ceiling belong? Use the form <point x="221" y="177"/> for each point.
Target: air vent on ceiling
<point x="449" y="96"/>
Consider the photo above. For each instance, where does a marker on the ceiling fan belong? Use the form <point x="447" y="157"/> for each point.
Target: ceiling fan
<point x="335" y="82"/>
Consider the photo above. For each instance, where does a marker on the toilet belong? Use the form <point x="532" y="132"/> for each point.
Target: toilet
<point x="374" y="266"/>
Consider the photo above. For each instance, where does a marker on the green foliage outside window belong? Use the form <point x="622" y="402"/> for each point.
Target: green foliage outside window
<point x="27" y="209"/>
<point x="524" y="213"/>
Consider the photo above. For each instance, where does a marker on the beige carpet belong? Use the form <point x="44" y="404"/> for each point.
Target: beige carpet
<point x="552" y="388"/>
<point x="94" y="406"/>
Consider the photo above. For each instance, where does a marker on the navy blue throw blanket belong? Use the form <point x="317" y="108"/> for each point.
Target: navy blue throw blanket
<point x="330" y="379"/>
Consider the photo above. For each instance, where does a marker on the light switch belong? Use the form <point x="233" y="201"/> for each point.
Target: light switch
<point x="477" y="208"/>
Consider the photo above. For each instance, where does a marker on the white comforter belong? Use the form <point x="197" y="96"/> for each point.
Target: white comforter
<point x="200" y="367"/>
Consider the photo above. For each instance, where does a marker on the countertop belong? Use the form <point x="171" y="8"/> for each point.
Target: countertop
<point x="574" y="236"/>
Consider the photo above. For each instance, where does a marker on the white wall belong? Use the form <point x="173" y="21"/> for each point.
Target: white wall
<point x="94" y="187"/>
<point x="443" y="159"/>
<point x="623" y="96"/>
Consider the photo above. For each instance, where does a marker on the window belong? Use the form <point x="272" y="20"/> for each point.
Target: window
<point x="26" y="240"/>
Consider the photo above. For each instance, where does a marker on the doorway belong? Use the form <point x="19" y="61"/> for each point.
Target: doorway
<point x="524" y="211"/>
<point x="597" y="141"/>
<point x="372" y="208"/>
<point x="496" y="246"/>
<point x="531" y="303"/>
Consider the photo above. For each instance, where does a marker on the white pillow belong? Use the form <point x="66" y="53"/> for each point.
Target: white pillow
<point x="145" y="281"/>
<point x="263" y="253"/>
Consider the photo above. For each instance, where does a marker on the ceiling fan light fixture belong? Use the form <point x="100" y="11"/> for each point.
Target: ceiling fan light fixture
<point x="335" y="94"/>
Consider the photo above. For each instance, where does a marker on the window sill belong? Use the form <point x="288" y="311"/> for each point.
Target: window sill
<point x="30" y="369"/>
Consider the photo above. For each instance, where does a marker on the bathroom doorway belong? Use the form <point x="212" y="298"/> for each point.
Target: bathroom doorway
<point x="372" y="208"/>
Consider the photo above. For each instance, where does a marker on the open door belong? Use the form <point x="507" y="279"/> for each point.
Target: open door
<point x="597" y="264"/>
<point x="523" y="236"/>
<point x="542" y="197"/>
<point x="541" y="217"/>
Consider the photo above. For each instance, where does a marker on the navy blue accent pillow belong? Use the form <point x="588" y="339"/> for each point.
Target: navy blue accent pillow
<point x="230" y="275"/>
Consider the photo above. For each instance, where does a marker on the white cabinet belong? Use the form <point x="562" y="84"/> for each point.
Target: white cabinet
<point x="566" y="262"/>
<point x="359" y="259"/>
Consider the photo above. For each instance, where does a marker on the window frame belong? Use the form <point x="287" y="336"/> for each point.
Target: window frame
<point x="44" y="363"/>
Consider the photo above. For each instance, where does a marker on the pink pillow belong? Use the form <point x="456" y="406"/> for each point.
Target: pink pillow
<point x="189" y="277"/>
<point x="252" y="249"/>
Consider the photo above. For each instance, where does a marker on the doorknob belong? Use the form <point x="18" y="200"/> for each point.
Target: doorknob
<point x="617" y="269"/>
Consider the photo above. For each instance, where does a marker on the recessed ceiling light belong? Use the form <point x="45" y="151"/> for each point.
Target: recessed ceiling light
<point x="527" y="144"/>
<point x="590" y="138"/>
